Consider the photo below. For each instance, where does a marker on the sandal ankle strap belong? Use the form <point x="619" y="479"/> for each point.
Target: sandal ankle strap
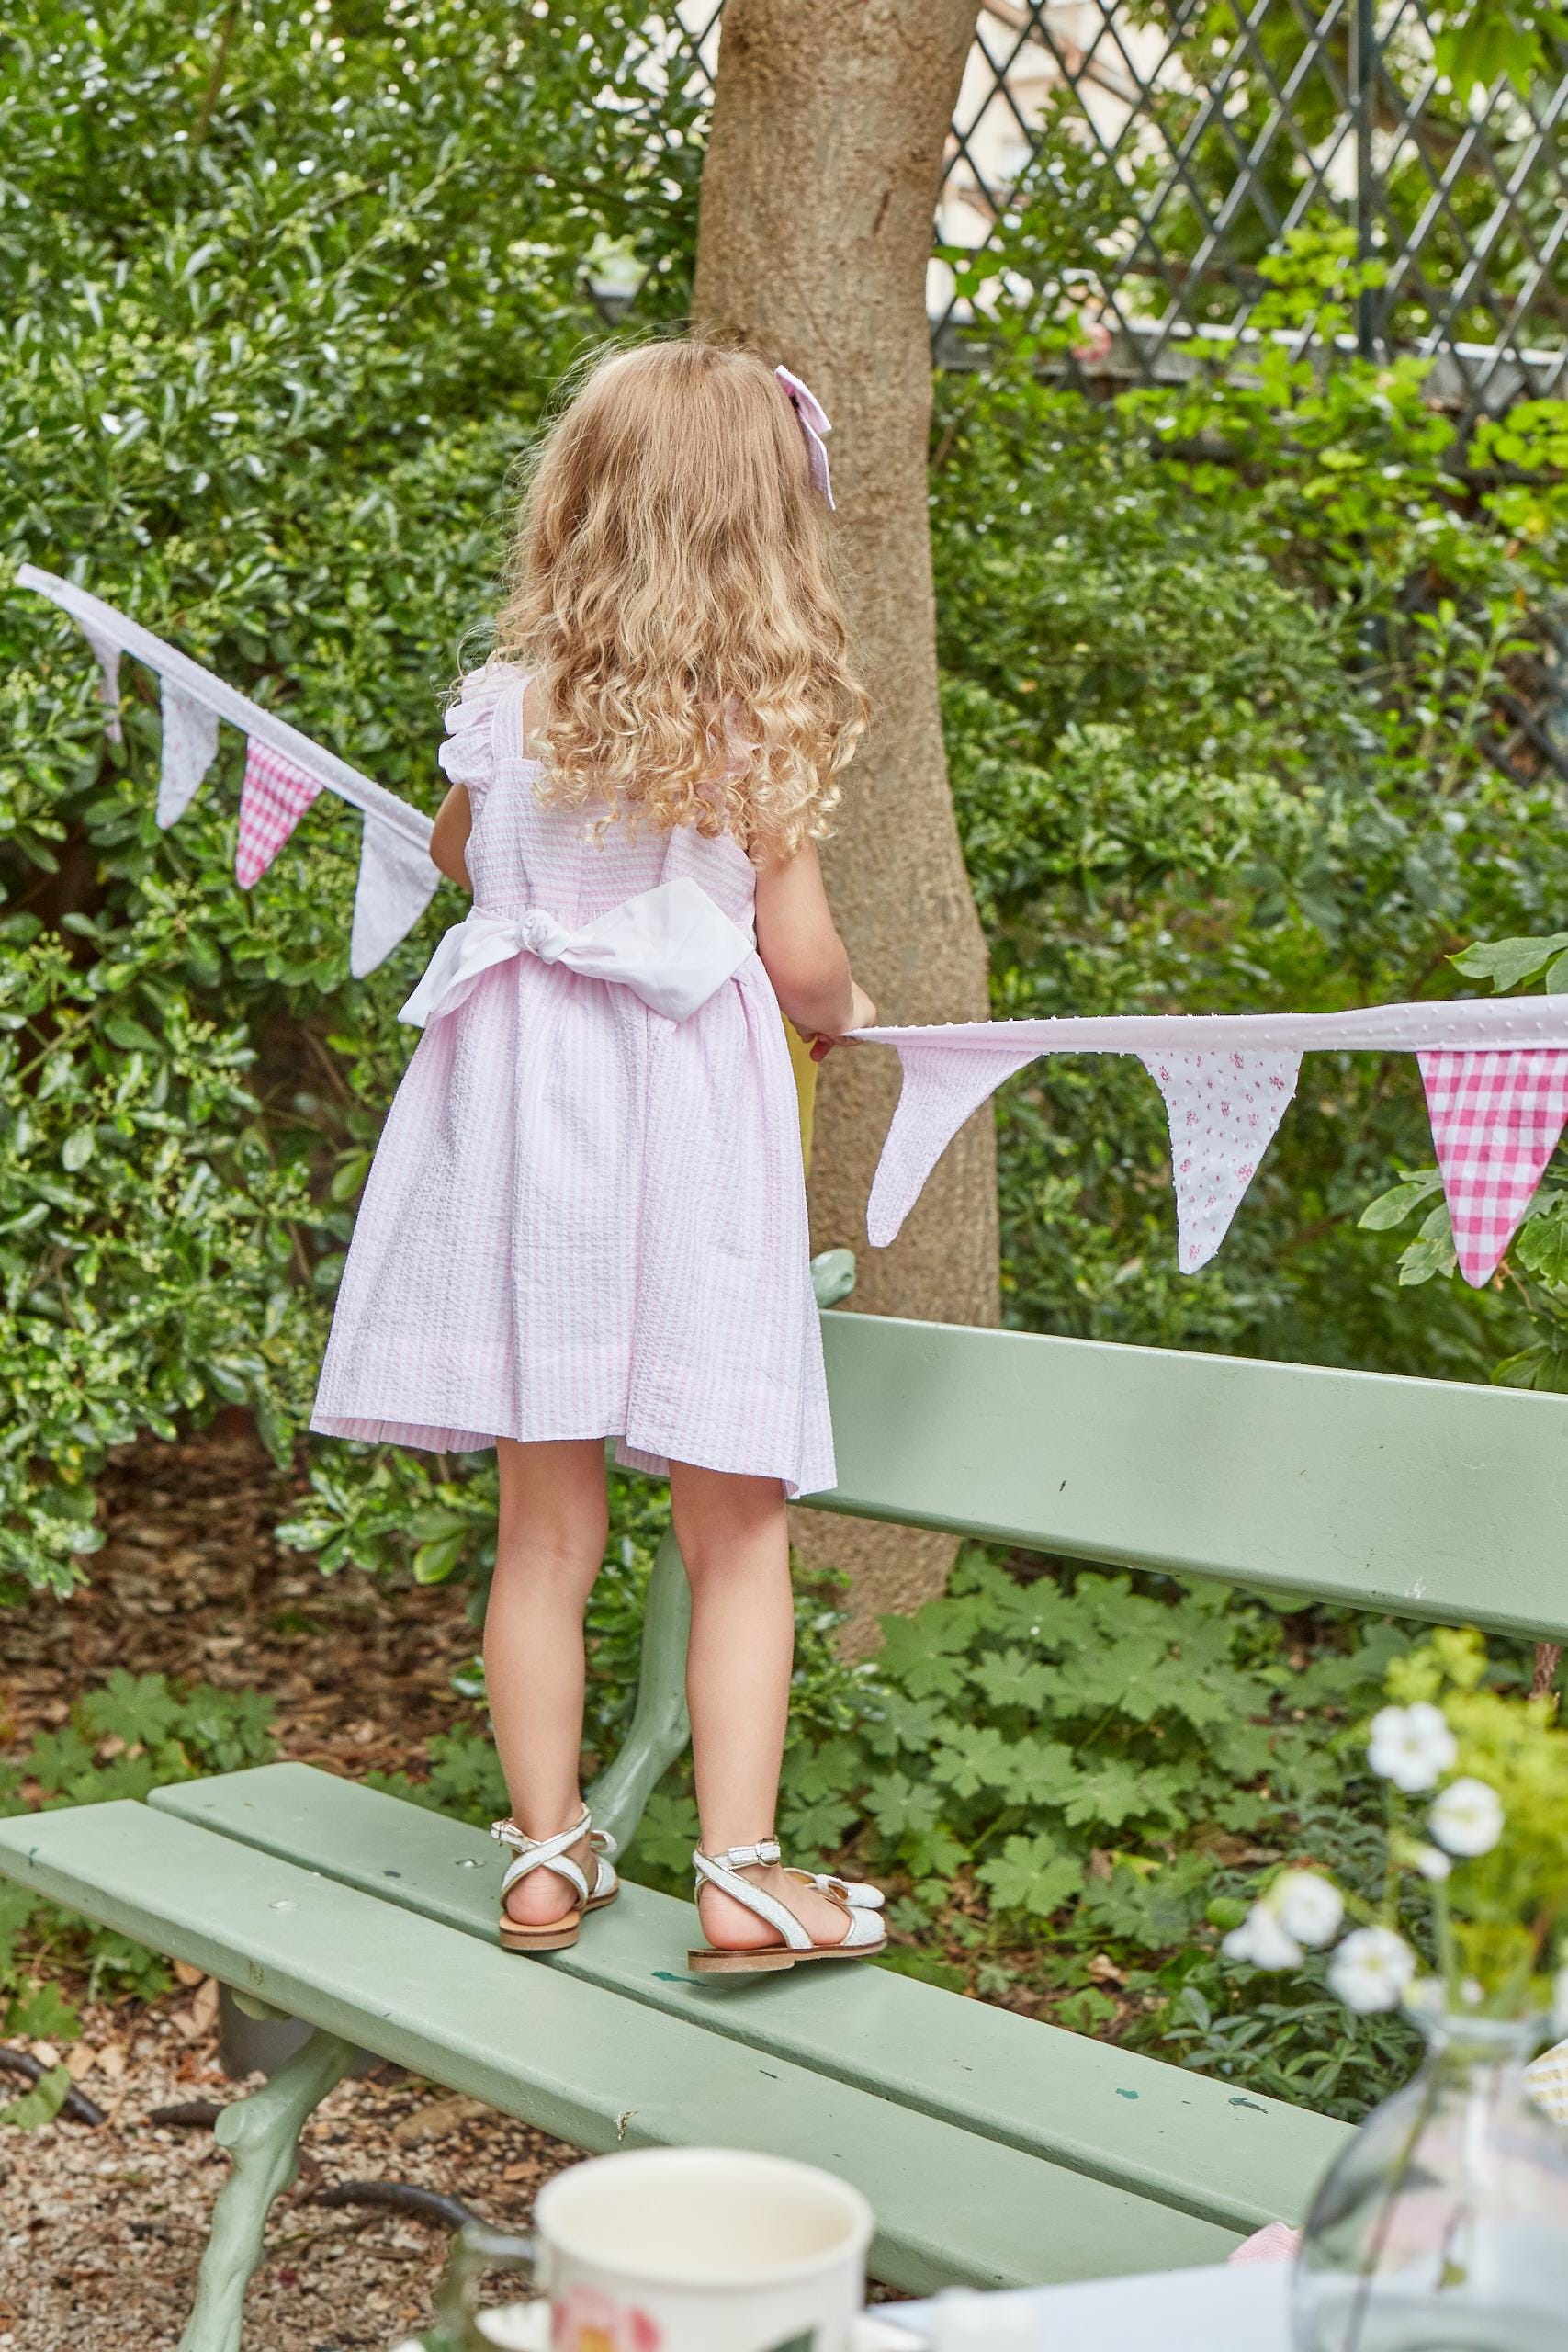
<point x="722" y="1870"/>
<point x="765" y="1851"/>
<point x="551" y="1854"/>
<point x="539" y="1850"/>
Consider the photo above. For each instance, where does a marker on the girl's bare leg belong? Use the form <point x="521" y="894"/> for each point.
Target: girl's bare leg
<point x="554" y="1520"/>
<point x="734" y="1539"/>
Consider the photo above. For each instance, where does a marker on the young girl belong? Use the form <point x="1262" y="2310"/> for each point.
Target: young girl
<point x="586" y="1215"/>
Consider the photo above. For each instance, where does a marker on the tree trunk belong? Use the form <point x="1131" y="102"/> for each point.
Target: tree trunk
<point x="819" y="194"/>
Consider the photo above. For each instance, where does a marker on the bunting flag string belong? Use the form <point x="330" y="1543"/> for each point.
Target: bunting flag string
<point x="285" y="770"/>
<point x="1496" y="1071"/>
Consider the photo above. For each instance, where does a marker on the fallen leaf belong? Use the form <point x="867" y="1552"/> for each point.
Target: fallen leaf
<point x="204" y="2008"/>
<point x="111" y="2062"/>
<point x="186" y="1974"/>
<point x="46" y="2053"/>
<point x="80" y="2061"/>
<point x="437" y="2118"/>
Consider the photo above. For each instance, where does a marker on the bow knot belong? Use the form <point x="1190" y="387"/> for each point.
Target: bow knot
<point x="542" y="935"/>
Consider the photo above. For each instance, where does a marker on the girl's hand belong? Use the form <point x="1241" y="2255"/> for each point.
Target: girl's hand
<point x="862" y="1015"/>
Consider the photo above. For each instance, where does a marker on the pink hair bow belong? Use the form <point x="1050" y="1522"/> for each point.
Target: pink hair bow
<point x="814" y="423"/>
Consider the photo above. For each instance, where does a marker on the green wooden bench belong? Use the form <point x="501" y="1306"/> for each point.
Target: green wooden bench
<point x="994" y="2150"/>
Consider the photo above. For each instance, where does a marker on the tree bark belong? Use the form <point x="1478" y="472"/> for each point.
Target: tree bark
<point x="818" y="193"/>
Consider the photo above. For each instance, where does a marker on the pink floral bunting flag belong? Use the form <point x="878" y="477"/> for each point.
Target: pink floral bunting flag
<point x="1224" y="1109"/>
<point x="1495" y="1121"/>
<point x="274" y="797"/>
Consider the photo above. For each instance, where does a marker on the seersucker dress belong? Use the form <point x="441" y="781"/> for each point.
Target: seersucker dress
<point x="585" y="1220"/>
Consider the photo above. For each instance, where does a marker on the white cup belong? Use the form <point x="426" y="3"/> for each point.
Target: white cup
<point x="697" y="2250"/>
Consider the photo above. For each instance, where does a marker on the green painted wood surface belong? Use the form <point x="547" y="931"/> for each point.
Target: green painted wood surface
<point x="596" y="2069"/>
<point x="1192" y="2143"/>
<point x="1432" y="1497"/>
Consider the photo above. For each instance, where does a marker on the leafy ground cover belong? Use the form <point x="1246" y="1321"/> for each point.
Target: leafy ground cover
<point x="1069" y="1782"/>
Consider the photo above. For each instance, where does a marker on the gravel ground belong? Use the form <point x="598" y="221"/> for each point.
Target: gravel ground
<point x="101" y="2229"/>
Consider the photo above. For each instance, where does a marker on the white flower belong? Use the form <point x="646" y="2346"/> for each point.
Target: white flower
<point x="1468" y="1818"/>
<point x="1261" y="1939"/>
<point x="1307" y="1905"/>
<point x="1371" y="1970"/>
<point x="1412" y="1747"/>
<point x="1431" y="1862"/>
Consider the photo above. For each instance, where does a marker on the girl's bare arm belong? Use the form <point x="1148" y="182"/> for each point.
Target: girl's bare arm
<point x="447" y="840"/>
<point x="803" y="955"/>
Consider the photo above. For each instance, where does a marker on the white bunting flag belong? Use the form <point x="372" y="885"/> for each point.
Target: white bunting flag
<point x="274" y="797"/>
<point x="107" y="652"/>
<point x="941" y="1090"/>
<point x="397" y="882"/>
<point x="190" y="746"/>
<point x="1223" y="1109"/>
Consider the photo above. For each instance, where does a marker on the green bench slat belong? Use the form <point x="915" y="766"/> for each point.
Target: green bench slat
<point x="599" y="2071"/>
<point x="1188" y="2141"/>
<point x="1431" y="1497"/>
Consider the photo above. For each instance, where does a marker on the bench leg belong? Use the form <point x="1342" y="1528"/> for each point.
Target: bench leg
<point x="262" y="2133"/>
<point x="658" y="1729"/>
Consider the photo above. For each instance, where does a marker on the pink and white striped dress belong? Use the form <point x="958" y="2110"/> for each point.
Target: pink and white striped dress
<point x="584" y="1220"/>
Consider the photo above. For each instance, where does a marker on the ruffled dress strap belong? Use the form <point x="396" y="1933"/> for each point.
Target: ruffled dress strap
<point x="468" y="755"/>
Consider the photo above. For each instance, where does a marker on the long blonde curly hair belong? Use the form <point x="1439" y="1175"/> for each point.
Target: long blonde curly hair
<point x="669" y="589"/>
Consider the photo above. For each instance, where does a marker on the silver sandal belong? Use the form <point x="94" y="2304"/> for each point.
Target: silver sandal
<point x="550" y="1854"/>
<point x="865" y="1935"/>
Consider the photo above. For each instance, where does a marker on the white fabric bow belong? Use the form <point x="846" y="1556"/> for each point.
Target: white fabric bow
<point x="671" y="946"/>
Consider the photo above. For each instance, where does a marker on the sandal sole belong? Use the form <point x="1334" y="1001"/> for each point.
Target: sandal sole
<point x="556" y="1935"/>
<point x="772" y="1960"/>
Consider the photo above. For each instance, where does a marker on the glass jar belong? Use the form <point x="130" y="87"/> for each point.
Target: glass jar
<point x="1443" y="2226"/>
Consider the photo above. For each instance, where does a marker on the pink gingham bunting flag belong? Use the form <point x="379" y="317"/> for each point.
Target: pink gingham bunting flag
<point x="1224" y="1109"/>
<point x="1495" y="1121"/>
<point x="274" y="797"/>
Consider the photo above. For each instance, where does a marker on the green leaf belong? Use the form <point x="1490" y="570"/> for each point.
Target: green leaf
<point x="1392" y="1207"/>
<point x="924" y="1652"/>
<point x="1032" y="1876"/>
<point x="41" y="2104"/>
<point x="78" y="1149"/>
<point x="433" y="1563"/>
<point x="131" y="1707"/>
<point x="1506" y="962"/>
<point x="42" y="2013"/>
<point x="899" y="1805"/>
<point x="1012" y="1678"/>
<point x="122" y="1031"/>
